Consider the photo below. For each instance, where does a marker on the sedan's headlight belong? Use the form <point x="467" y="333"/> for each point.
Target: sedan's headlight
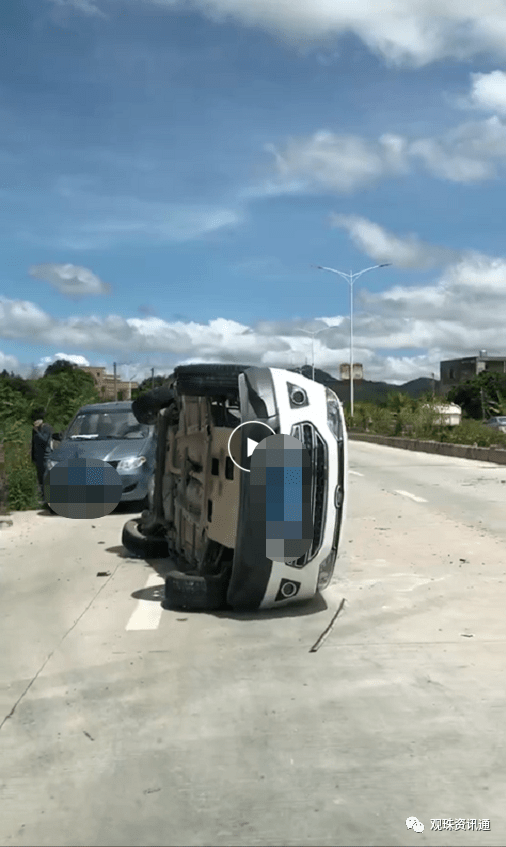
<point x="131" y="463"/>
<point x="333" y="413"/>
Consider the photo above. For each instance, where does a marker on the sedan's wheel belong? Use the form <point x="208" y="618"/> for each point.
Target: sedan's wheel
<point x="192" y="591"/>
<point x="143" y="546"/>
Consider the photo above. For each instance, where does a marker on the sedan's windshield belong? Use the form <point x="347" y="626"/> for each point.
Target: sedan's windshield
<point x="101" y="425"/>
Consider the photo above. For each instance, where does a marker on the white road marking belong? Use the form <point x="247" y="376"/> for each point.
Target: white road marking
<point x="147" y="613"/>
<point x="356" y="473"/>
<point x="411" y="496"/>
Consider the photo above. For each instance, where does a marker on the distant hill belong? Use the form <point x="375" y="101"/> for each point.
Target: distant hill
<point x="367" y="391"/>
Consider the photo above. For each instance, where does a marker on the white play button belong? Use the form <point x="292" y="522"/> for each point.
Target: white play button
<point x="241" y="445"/>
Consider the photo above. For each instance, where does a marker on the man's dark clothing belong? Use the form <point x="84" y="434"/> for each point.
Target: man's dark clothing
<point x="41" y="449"/>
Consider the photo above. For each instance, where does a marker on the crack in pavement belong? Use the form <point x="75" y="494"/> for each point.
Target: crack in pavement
<point x="51" y="654"/>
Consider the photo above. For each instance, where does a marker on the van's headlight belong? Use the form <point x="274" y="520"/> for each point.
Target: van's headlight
<point x="326" y="571"/>
<point x="334" y="420"/>
<point x="50" y="464"/>
<point x="131" y="463"/>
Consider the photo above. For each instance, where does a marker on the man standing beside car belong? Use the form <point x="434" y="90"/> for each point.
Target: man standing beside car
<point x="42" y="436"/>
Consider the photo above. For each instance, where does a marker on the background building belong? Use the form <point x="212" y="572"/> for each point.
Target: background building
<point x="454" y="371"/>
<point x="105" y="384"/>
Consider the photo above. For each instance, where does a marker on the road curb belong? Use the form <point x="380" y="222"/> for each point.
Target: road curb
<point x="462" y="451"/>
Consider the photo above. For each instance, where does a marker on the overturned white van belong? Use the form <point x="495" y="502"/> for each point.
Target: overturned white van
<point x="201" y="514"/>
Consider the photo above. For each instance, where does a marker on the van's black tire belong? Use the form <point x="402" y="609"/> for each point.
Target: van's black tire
<point x="146" y="407"/>
<point x="194" y="592"/>
<point x="143" y="546"/>
<point x="208" y="380"/>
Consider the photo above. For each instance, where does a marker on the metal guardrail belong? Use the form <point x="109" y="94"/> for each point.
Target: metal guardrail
<point x="442" y="448"/>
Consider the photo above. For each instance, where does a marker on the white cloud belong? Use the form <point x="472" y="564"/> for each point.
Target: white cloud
<point x="9" y="363"/>
<point x="327" y="161"/>
<point x="463" y="307"/>
<point x="488" y="91"/>
<point x="448" y="165"/>
<point x="341" y="163"/>
<point x="69" y="357"/>
<point x="402" y="32"/>
<point x="69" y="279"/>
<point x="459" y="311"/>
<point x="383" y="246"/>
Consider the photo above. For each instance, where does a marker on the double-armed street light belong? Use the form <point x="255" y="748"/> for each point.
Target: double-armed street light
<point x="351" y="278"/>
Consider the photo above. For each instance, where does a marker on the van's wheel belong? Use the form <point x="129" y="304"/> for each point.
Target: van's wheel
<point x="143" y="546"/>
<point x="208" y="380"/>
<point x="193" y="591"/>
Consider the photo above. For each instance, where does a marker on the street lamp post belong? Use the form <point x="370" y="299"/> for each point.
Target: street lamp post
<point x="351" y="278"/>
<point x="130" y="378"/>
<point x="316" y="332"/>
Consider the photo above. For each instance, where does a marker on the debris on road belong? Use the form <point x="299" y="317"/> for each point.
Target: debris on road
<point x="103" y="573"/>
<point x="325" y="634"/>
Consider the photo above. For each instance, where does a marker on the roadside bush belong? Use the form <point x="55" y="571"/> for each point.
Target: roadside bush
<point x="20" y="474"/>
<point x="60" y="393"/>
<point x="474" y="432"/>
<point x="21" y="480"/>
<point x="369" y="417"/>
<point x="419" y="419"/>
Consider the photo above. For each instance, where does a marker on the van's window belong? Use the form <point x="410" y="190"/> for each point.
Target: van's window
<point x="110" y="424"/>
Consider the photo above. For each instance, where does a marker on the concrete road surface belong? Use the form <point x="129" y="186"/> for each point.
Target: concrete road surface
<point x="123" y="724"/>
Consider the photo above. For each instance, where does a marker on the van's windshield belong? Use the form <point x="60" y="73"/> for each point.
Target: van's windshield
<point x="102" y="425"/>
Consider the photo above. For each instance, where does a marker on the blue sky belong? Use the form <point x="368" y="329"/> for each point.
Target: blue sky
<point x="171" y="170"/>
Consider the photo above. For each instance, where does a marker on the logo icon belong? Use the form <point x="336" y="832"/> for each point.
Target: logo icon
<point x="414" y="824"/>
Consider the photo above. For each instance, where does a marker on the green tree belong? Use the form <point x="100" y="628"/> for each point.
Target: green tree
<point x="482" y="396"/>
<point x="62" y="394"/>
<point x="59" y="366"/>
<point x="17" y="383"/>
<point x="14" y="404"/>
<point x="147" y="384"/>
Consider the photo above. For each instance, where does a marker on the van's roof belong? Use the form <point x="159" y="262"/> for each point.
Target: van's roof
<point x="115" y="406"/>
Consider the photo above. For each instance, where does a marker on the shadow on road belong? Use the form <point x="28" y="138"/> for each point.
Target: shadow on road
<point x="131" y="508"/>
<point x="309" y="607"/>
<point x="156" y="594"/>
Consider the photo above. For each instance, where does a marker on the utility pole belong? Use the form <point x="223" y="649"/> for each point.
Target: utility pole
<point x="152" y="377"/>
<point x="312" y="334"/>
<point x="115" y="384"/>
